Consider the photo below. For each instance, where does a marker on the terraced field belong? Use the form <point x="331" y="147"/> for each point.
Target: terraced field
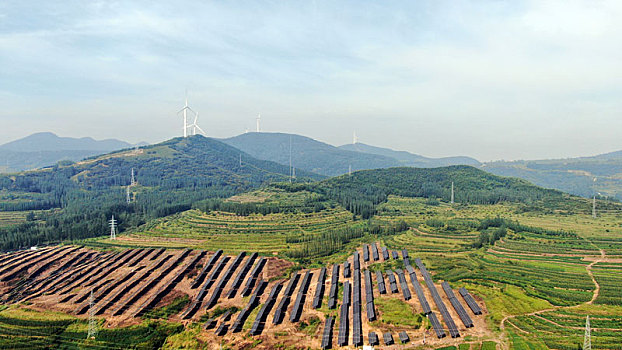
<point x="230" y="232"/>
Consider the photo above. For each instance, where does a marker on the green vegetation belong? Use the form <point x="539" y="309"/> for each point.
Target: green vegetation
<point x="396" y="312"/>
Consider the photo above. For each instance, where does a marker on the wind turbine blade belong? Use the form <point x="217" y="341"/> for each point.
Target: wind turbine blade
<point x="201" y="130"/>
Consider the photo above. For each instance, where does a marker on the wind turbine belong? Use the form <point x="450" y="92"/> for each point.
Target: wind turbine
<point x="258" y="119"/>
<point x="195" y="126"/>
<point x="184" y="112"/>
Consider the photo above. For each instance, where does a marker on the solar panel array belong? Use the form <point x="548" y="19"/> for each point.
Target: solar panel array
<point x="300" y="298"/>
<point x="206" y="269"/>
<point x="357" y="261"/>
<point x="346" y="269"/>
<point x="260" y="320"/>
<point x="404" y="284"/>
<point x="279" y="313"/>
<point x="464" y="317"/>
<point x="394" y="255"/>
<point x="223" y="327"/>
<point x="365" y="252"/>
<point x="319" y="289"/>
<point x="380" y="280"/>
<point x="224" y="280"/>
<point x="453" y="330"/>
<point x="239" y="278"/>
<point x="470" y="301"/>
<point x="250" y="282"/>
<point x="334" y="287"/>
<point x="192" y="309"/>
<point x="392" y="281"/>
<point x="327" y="335"/>
<point x="252" y="303"/>
<point x="385" y="253"/>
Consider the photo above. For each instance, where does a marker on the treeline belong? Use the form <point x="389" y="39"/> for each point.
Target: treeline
<point x="493" y="229"/>
<point x="310" y="205"/>
<point x="333" y="241"/>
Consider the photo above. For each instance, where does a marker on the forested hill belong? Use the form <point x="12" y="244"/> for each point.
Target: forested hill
<point x="411" y="159"/>
<point x="307" y="153"/>
<point x="170" y="176"/>
<point x="363" y="190"/>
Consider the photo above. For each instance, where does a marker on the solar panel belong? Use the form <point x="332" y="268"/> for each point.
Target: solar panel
<point x="404" y="337"/>
<point x="346" y="269"/>
<point x="279" y="313"/>
<point x="374" y="252"/>
<point x="388" y="338"/>
<point x="385" y="253"/>
<point x="470" y="301"/>
<point x="404" y="253"/>
<point x="342" y="338"/>
<point x="372" y="337"/>
<point x="453" y="330"/>
<point x="319" y="289"/>
<point x="420" y="295"/>
<point x="327" y="335"/>
<point x="365" y="252"/>
<point x="239" y="278"/>
<point x="357" y="261"/>
<point x="250" y="282"/>
<point x="404" y="284"/>
<point x="464" y="317"/>
<point x="260" y="319"/>
<point x="436" y="325"/>
<point x="394" y="255"/>
<point x="300" y="299"/>
<point x="380" y="280"/>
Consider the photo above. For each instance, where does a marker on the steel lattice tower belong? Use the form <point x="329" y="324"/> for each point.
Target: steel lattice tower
<point x="92" y="322"/>
<point x="587" y="339"/>
<point x="113" y="228"/>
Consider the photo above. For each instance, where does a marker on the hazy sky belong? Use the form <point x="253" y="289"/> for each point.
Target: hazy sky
<point x="489" y="79"/>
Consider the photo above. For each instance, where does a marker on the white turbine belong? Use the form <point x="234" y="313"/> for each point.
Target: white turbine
<point x="195" y="126"/>
<point x="184" y="112"/>
<point x="258" y="119"/>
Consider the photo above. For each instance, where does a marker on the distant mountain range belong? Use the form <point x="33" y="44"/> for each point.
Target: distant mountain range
<point x="45" y="149"/>
<point x="325" y="159"/>
<point x="572" y="175"/>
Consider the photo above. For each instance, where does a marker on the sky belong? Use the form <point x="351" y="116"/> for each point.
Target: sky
<point x="488" y="79"/>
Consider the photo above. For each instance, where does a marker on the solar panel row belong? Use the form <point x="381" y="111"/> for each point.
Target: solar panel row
<point x="453" y="330"/>
<point x="404" y="284"/>
<point x="392" y="281"/>
<point x="369" y="297"/>
<point x="394" y="255"/>
<point x="250" y="282"/>
<point x="464" y="317"/>
<point x="260" y="320"/>
<point x="300" y="298"/>
<point x="224" y="280"/>
<point x="327" y="335"/>
<point x="194" y="306"/>
<point x="210" y="263"/>
<point x="252" y="303"/>
<point x="380" y="280"/>
<point x="470" y="301"/>
<point x="346" y="269"/>
<point x="224" y="318"/>
<point x="365" y="252"/>
<point x="334" y="287"/>
<point x="342" y="338"/>
<point x="279" y="313"/>
<point x="425" y="306"/>
<point x="436" y="325"/>
<point x="374" y="252"/>
<point x="385" y="253"/>
<point x="239" y="278"/>
<point x="388" y="338"/>
<point x="357" y="328"/>
<point x="372" y="338"/>
<point x="319" y="289"/>
<point x="404" y="337"/>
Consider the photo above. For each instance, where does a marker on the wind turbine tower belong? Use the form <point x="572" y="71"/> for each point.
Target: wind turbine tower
<point x="184" y="112"/>
<point x="258" y="120"/>
<point x="452" y="192"/>
<point x="355" y="139"/>
<point x="113" y="228"/>
<point x="587" y="339"/>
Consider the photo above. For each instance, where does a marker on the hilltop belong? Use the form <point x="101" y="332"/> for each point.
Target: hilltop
<point x="411" y="159"/>
<point x="171" y="176"/>
<point x="307" y="153"/>
<point x="46" y="148"/>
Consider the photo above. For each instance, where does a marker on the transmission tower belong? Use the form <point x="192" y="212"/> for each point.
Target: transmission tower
<point x="587" y="339"/>
<point x="113" y="228"/>
<point x="133" y="180"/>
<point x="92" y="322"/>
<point x="128" y="197"/>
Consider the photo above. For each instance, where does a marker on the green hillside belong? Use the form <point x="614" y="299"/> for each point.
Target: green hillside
<point x="574" y="175"/>
<point x="307" y="153"/>
<point x="170" y="177"/>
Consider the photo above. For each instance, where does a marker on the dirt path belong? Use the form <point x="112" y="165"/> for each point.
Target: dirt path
<point x="588" y="268"/>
